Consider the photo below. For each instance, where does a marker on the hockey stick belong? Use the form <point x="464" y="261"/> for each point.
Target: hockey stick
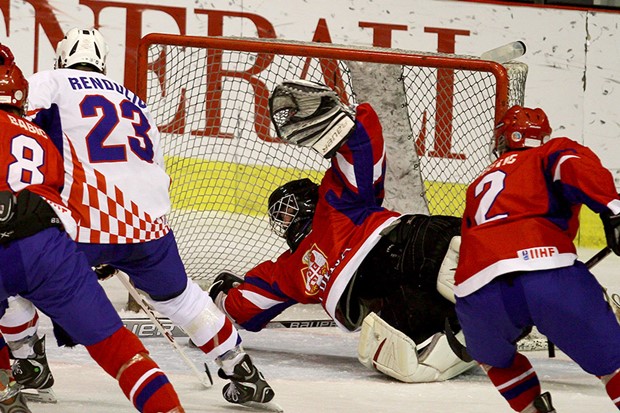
<point x="598" y="257"/>
<point x="204" y="377"/>
<point x="145" y="328"/>
<point x="301" y="324"/>
<point x="614" y="299"/>
<point x="455" y="345"/>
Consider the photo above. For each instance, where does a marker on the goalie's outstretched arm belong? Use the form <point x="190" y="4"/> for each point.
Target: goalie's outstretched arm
<point x="249" y="303"/>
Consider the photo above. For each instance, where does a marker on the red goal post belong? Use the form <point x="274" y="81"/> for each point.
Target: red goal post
<point x="209" y="98"/>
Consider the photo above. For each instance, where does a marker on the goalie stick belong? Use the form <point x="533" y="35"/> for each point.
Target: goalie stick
<point x="204" y="377"/>
<point x="146" y="328"/>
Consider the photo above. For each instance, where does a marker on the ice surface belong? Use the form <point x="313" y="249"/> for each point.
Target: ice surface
<point x="316" y="370"/>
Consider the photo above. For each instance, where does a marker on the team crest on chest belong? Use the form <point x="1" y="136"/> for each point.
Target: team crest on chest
<point x="316" y="268"/>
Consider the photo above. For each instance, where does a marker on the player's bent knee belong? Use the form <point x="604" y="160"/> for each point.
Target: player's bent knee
<point x="185" y="306"/>
<point x="194" y="312"/>
<point x="20" y="321"/>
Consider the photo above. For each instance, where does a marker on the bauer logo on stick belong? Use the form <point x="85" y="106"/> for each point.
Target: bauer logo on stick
<point x="310" y="114"/>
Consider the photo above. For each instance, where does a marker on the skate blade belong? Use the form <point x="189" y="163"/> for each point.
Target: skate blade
<point x="266" y="407"/>
<point x="40" y="396"/>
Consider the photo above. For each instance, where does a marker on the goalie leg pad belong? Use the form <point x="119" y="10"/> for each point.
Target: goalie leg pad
<point x="445" y="277"/>
<point x="385" y="349"/>
<point x="438" y="356"/>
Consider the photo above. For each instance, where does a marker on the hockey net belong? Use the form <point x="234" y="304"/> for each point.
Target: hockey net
<point x="209" y="98"/>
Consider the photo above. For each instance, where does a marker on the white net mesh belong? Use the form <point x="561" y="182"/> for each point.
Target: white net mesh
<point x="209" y="98"/>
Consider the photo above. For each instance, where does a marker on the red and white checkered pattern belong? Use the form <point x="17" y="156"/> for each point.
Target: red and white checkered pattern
<point x="115" y="182"/>
<point x="107" y="218"/>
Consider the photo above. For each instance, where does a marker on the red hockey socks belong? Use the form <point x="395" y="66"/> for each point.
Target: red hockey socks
<point x="518" y="384"/>
<point x="123" y="357"/>
<point x="612" y="386"/>
<point x="5" y="362"/>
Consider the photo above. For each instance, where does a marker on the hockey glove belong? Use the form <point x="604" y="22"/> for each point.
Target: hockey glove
<point x="8" y="205"/>
<point x="105" y="271"/>
<point x="24" y="214"/>
<point x="611" y="225"/>
<point x="221" y="285"/>
<point x="310" y="114"/>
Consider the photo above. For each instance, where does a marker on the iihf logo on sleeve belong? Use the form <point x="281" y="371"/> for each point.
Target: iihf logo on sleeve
<point x="536" y="253"/>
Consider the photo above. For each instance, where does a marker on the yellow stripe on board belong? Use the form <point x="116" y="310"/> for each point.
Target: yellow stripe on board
<point x="590" y="233"/>
<point x="203" y="185"/>
<point x="445" y="198"/>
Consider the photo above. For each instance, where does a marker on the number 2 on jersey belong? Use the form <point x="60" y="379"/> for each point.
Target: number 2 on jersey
<point x="490" y="186"/>
<point x="109" y="120"/>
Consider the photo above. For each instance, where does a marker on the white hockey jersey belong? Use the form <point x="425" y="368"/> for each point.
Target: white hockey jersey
<point x="115" y="181"/>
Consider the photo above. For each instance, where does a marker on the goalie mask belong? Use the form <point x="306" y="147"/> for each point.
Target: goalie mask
<point x="82" y="46"/>
<point x="310" y="114"/>
<point x="521" y="128"/>
<point x="291" y="209"/>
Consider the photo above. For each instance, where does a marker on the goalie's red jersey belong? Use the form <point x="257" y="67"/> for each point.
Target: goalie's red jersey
<point x="346" y="226"/>
<point x="29" y="159"/>
<point x="522" y="212"/>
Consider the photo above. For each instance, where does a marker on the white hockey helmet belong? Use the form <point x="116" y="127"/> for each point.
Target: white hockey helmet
<point x="82" y="46"/>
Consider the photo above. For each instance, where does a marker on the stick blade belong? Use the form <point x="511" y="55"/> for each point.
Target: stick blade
<point x="208" y="372"/>
<point x="457" y="347"/>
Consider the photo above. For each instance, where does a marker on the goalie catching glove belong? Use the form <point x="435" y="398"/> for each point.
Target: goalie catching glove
<point x="310" y="114"/>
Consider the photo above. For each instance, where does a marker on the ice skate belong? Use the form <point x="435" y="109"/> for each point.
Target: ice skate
<point x="15" y="404"/>
<point x="33" y="373"/>
<point x="247" y="385"/>
<point x="11" y="399"/>
<point x="543" y="404"/>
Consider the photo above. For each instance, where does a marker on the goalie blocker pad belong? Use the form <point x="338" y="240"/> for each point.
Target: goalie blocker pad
<point x="385" y="349"/>
<point x="334" y="136"/>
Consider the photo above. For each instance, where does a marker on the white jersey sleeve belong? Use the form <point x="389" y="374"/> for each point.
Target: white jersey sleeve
<point x="115" y="181"/>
